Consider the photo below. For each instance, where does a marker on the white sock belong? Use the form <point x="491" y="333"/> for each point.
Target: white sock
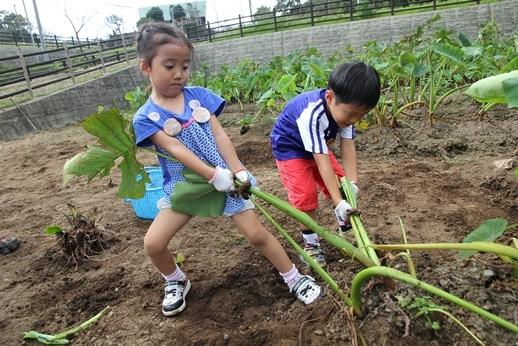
<point x="311" y="238"/>
<point x="291" y="277"/>
<point x="177" y="275"/>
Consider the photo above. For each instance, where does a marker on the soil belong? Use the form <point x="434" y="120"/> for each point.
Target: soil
<point x="440" y="180"/>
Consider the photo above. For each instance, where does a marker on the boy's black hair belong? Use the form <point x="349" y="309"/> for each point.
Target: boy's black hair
<point x="356" y="83"/>
<point x="152" y="35"/>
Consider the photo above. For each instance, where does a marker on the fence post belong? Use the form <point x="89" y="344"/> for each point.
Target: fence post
<point x="434" y="5"/>
<point x="391" y="7"/>
<point x="274" y="21"/>
<point x="56" y="40"/>
<point x="100" y="49"/>
<point x="311" y="11"/>
<point x="210" y="33"/>
<point x="351" y="9"/>
<point x="240" y="26"/>
<point x="14" y="38"/>
<point x="125" y="51"/>
<point x="26" y="75"/>
<point x="69" y="63"/>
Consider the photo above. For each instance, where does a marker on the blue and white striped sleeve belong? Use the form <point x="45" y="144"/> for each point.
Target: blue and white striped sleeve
<point x="348" y="132"/>
<point x="312" y="123"/>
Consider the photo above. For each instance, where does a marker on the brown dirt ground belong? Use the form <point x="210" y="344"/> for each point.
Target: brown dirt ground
<point x="440" y="180"/>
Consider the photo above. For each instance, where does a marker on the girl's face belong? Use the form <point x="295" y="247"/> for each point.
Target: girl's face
<point x="168" y="71"/>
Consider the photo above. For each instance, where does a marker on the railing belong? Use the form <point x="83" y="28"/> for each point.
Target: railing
<point x="25" y="39"/>
<point x="64" y="63"/>
<point x="310" y="14"/>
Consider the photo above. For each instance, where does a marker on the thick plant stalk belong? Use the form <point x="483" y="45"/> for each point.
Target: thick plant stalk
<point x="313" y="264"/>
<point x="367" y="273"/>
<point x="480" y="246"/>
<point x="359" y="231"/>
<point x="306" y="220"/>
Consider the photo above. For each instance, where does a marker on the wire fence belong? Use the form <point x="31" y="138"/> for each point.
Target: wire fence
<point x="23" y="73"/>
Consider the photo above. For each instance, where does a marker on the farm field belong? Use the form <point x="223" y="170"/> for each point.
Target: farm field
<point x="440" y="180"/>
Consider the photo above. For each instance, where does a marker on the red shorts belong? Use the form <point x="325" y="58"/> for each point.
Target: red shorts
<point x="302" y="180"/>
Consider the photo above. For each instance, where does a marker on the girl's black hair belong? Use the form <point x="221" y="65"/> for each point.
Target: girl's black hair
<point x="152" y="35"/>
<point x="356" y="83"/>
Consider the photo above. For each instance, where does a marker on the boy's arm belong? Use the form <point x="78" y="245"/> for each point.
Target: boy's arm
<point x="328" y="176"/>
<point x="349" y="159"/>
<point x="225" y="147"/>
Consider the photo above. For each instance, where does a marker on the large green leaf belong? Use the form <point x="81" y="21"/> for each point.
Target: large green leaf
<point x="488" y="232"/>
<point x="133" y="177"/>
<point x="93" y="162"/>
<point x="110" y="129"/>
<point x="490" y="89"/>
<point x="453" y="53"/>
<point x="197" y="197"/>
<point x="510" y="87"/>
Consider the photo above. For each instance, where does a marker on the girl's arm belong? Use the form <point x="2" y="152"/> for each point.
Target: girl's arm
<point x="225" y="146"/>
<point x="328" y="176"/>
<point x="180" y="152"/>
<point x="349" y="159"/>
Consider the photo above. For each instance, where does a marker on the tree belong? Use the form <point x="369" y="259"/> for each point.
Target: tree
<point x="78" y="28"/>
<point x="178" y="12"/>
<point x="14" y="24"/>
<point x="262" y="12"/>
<point x="156" y="14"/>
<point x="115" y="23"/>
<point x="286" y="5"/>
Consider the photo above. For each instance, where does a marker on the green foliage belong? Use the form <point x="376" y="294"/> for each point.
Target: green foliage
<point x="502" y="88"/>
<point x="116" y="139"/>
<point x="488" y="231"/>
<point x="53" y="230"/>
<point x="136" y="98"/>
<point x="423" y="305"/>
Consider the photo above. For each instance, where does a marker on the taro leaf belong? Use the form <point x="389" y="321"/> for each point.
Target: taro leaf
<point x="133" y="177"/>
<point x="451" y="52"/>
<point x="197" y="197"/>
<point x="488" y="232"/>
<point x="464" y="40"/>
<point x="510" y="87"/>
<point x="53" y="230"/>
<point x="93" y="162"/>
<point x="472" y="51"/>
<point x="490" y="89"/>
<point x="109" y="128"/>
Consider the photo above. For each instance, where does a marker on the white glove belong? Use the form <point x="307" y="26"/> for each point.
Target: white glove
<point x="223" y="180"/>
<point x="242" y="175"/>
<point x="342" y="212"/>
<point x="355" y="187"/>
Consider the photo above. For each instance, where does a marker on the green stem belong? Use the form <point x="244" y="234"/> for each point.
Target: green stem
<point x="366" y="274"/>
<point x="167" y="157"/>
<point x="409" y="261"/>
<point x="308" y="221"/>
<point x="313" y="264"/>
<point x="456" y="320"/>
<point x="480" y="246"/>
<point x="408" y="105"/>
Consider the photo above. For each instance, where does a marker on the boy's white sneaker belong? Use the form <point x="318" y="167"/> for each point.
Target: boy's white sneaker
<point x="307" y="290"/>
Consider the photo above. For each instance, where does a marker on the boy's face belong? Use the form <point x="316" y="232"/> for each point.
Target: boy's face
<point x="344" y="114"/>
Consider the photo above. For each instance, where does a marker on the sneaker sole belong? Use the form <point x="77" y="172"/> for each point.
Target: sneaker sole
<point x="182" y="307"/>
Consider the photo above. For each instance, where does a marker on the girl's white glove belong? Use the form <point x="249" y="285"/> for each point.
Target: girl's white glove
<point x="342" y="212"/>
<point x="242" y="175"/>
<point x="223" y="180"/>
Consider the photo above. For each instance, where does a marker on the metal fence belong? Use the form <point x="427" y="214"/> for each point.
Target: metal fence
<point x="25" y="39"/>
<point x="27" y="72"/>
<point x="310" y="14"/>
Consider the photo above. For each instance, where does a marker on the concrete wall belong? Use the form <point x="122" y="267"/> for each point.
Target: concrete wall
<point x="74" y="104"/>
<point x="69" y="106"/>
<point x="330" y="38"/>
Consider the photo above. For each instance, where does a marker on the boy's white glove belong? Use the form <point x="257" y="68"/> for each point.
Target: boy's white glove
<point x="223" y="180"/>
<point x="342" y="212"/>
<point x="242" y="175"/>
<point x="355" y="187"/>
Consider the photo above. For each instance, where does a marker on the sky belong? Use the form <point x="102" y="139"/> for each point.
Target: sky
<point x="94" y="12"/>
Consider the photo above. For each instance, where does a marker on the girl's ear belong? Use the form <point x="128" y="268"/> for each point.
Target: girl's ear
<point x="145" y="67"/>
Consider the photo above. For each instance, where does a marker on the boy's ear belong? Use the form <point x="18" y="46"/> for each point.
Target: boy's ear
<point x="144" y="66"/>
<point x="329" y="96"/>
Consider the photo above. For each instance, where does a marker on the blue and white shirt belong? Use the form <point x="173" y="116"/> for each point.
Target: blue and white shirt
<point x="304" y="127"/>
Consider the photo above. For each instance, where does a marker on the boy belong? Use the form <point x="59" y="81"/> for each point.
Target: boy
<point x="301" y="135"/>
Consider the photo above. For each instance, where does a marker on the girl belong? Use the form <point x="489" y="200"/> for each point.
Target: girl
<point x="182" y="122"/>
